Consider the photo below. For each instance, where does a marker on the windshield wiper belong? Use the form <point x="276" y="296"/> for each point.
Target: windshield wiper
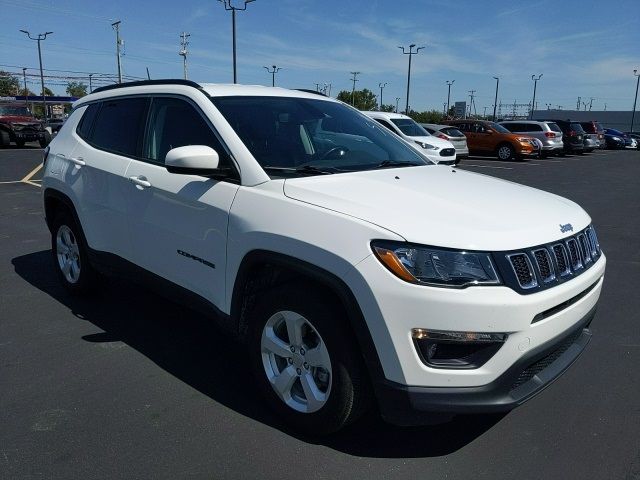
<point x="397" y="163"/>
<point x="305" y="169"/>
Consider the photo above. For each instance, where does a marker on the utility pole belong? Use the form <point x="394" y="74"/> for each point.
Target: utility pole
<point x="495" y="101"/>
<point x="484" y="114"/>
<point x="116" y="27"/>
<point x="24" y="79"/>
<point x="183" y="51"/>
<point x="635" y="100"/>
<point x="228" y="6"/>
<point x="39" y="38"/>
<point x="317" y="87"/>
<point x="591" y="102"/>
<point x="353" y="89"/>
<point x="472" y="103"/>
<point x="578" y="104"/>
<point x="449" y="83"/>
<point x="90" y="84"/>
<point x="397" y="101"/>
<point x="535" y="85"/>
<point x="584" y="104"/>
<point x="381" y="85"/>
<point x="327" y="89"/>
<point x="411" y="53"/>
<point x="273" y="74"/>
<point x="444" y="109"/>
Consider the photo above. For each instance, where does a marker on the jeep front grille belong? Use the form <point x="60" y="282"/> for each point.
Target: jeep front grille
<point x="544" y="266"/>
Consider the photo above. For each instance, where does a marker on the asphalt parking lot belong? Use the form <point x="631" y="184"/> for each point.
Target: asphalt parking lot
<point x="130" y="385"/>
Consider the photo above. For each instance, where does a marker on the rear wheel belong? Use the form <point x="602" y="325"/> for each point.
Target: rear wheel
<point x="46" y="140"/>
<point x="506" y="152"/>
<point x="5" y="139"/>
<point x="305" y="360"/>
<point x="20" y="143"/>
<point x="70" y="255"/>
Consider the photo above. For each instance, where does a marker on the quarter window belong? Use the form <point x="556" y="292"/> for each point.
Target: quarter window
<point x="86" y="122"/>
<point x="175" y="123"/>
<point x="117" y="126"/>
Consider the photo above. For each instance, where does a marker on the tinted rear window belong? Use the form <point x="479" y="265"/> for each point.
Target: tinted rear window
<point x="117" y="127"/>
<point x="86" y="122"/>
<point x="554" y="127"/>
<point x="577" y="127"/>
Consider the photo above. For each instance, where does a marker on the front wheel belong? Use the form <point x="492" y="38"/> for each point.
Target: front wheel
<point x="506" y="152"/>
<point x="20" y="143"/>
<point x="305" y="359"/>
<point x="46" y="140"/>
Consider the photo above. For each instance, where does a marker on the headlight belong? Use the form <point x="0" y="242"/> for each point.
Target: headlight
<point x="433" y="266"/>
<point x="525" y="140"/>
<point x="427" y="146"/>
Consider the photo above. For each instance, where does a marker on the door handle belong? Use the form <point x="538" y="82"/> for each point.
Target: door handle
<point x="140" y="181"/>
<point x="79" y="161"/>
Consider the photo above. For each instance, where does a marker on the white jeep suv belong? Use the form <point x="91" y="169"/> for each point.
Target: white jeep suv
<point x="356" y="272"/>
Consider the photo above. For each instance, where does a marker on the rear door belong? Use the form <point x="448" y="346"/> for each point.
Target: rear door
<point x="109" y="136"/>
<point x="178" y="223"/>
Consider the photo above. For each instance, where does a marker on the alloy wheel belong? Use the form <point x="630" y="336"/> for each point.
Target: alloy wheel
<point x="68" y="254"/>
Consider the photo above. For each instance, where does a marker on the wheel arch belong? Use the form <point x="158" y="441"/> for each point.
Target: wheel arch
<point x="263" y="269"/>
<point x="54" y="200"/>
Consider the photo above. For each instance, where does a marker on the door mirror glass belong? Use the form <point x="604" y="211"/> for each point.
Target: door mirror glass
<point x="192" y="160"/>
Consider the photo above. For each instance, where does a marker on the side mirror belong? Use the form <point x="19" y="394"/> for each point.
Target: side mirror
<point x="192" y="160"/>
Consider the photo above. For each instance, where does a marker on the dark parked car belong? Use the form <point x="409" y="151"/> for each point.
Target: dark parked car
<point x="572" y="136"/>
<point x="616" y="139"/>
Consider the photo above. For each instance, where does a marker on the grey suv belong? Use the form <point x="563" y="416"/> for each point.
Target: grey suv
<point x="548" y="133"/>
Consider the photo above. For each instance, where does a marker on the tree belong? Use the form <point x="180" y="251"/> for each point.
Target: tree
<point x="388" y="108"/>
<point x="364" y="99"/>
<point x="76" y="89"/>
<point x="9" y="84"/>
<point x="47" y="92"/>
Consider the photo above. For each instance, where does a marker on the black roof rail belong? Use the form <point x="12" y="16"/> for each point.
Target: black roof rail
<point x="168" y="81"/>
<point x="307" y="90"/>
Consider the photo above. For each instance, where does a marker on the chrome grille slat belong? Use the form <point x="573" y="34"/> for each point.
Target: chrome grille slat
<point x="545" y="266"/>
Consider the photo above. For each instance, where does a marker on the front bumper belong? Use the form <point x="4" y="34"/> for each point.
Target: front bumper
<point x="532" y="373"/>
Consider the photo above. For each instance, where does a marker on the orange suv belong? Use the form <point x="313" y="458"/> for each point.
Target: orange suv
<point x="489" y="138"/>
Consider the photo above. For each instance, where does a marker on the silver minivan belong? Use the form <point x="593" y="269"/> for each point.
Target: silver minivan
<point x="548" y="133"/>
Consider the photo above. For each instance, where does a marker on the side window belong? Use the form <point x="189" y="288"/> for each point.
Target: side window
<point x="117" y="127"/>
<point x="386" y="125"/>
<point x="479" y="128"/>
<point x="176" y="123"/>
<point x="86" y="122"/>
<point x="514" y="127"/>
<point x="534" y="127"/>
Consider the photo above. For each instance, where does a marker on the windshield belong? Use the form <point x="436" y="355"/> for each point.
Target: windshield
<point x="497" y="128"/>
<point x="300" y="136"/>
<point x="14" y="110"/>
<point x="409" y="127"/>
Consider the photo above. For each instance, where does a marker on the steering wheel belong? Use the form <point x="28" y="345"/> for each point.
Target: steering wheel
<point x="341" y="151"/>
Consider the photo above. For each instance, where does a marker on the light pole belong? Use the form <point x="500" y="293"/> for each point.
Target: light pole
<point x="228" y="6"/>
<point x="381" y="85"/>
<point x="273" y="74"/>
<point x="39" y="38"/>
<point x="495" y="101"/>
<point x="411" y="53"/>
<point x="635" y="100"/>
<point x="449" y="83"/>
<point x="397" y="101"/>
<point x="535" y="84"/>
<point x="24" y="79"/>
<point x="90" y="84"/>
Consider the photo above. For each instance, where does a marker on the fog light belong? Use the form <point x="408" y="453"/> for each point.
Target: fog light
<point x="442" y="349"/>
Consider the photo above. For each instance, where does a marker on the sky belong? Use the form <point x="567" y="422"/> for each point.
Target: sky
<point x="582" y="48"/>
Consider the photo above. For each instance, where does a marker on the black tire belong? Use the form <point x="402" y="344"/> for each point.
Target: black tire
<point x="505" y="151"/>
<point x="87" y="277"/>
<point x="46" y="140"/>
<point x="5" y="139"/>
<point x="349" y="394"/>
<point x="20" y="143"/>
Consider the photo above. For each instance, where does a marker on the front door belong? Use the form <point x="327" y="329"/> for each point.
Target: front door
<point x="178" y="223"/>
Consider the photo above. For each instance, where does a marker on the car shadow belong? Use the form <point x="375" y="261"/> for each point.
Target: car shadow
<point x="193" y="349"/>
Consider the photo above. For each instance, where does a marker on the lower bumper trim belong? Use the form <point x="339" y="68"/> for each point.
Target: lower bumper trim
<point x="407" y="405"/>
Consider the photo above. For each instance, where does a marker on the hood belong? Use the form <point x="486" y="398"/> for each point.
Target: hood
<point x="441" y="206"/>
<point x="18" y="119"/>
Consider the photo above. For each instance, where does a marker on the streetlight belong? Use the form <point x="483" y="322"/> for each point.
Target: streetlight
<point x="449" y="83"/>
<point x="90" y="85"/>
<point x="535" y="84"/>
<point x="397" y="101"/>
<point x="495" y="101"/>
<point x="410" y="53"/>
<point x="273" y="74"/>
<point x="381" y="85"/>
<point x="633" y="115"/>
<point x="39" y="38"/>
<point x="228" y="6"/>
